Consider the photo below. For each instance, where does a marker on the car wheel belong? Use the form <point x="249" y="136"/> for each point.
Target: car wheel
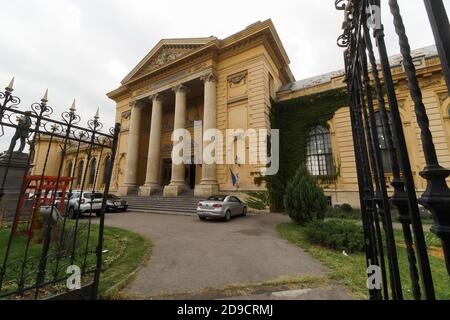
<point x="244" y="212"/>
<point x="202" y="218"/>
<point x="72" y="214"/>
<point x="228" y="216"/>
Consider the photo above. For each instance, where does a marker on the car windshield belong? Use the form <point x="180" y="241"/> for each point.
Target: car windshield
<point x="217" y="198"/>
<point x="97" y="195"/>
<point x="111" y="196"/>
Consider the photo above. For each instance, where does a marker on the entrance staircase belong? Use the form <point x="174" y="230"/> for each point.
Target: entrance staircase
<point x="185" y="204"/>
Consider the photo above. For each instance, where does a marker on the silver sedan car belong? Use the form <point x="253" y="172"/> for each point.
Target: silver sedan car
<point x="221" y="207"/>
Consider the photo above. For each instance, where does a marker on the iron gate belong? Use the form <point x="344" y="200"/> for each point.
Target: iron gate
<point x="45" y="243"/>
<point x="368" y="90"/>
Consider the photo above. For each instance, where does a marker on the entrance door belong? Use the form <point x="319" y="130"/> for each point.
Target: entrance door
<point x="167" y="172"/>
<point x="192" y="176"/>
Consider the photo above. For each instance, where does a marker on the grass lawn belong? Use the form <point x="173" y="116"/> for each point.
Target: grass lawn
<point x="355" y="214"/>
<point x="119" y="268"/>
<point x="351" y="271"/>
<point x="124" y="253"/>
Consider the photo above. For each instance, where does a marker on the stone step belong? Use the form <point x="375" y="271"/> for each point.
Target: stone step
<point x="171" y="208"/>
<point x="163" y="210"/>
<point x="163" y="199"/>
<point x="185" y="205"/>
<point x="175" y="213"/>
<point x="162" y="204"/>
<point x="152" y="210"/>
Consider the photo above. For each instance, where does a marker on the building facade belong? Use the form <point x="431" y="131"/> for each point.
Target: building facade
<point x="225" y="84"/>
<point x="330" y="148"/>
<point x="229" y="84"/>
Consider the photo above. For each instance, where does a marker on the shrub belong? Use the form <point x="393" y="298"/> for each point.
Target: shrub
<point x="346" y="207"/>
<point x="338" y="213"/>
<point x="258" y="200"/>
<point x="336" y="234"/>
<point x="425" y="214"/>
<point x="304" y="200"/>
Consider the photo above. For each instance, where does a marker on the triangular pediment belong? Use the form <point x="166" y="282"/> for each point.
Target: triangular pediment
<point x="165" y="55"/>
<point x="166" y="52"/>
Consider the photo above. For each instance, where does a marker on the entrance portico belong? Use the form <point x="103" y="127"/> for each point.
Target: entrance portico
<point x="183" y="176"/>
<point x="226" y="85"/>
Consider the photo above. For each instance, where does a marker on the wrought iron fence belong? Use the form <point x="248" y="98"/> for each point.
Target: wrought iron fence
<point x="367" y="90"/>
<point x="44" y="239"/>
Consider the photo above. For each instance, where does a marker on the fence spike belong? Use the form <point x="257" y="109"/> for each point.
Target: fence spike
<point x="73" y="107"/>
<point x="10" y="86"/>
<point x="45" y="98"/>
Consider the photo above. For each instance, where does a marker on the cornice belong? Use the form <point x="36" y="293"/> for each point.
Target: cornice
<point x="264" y="31"/>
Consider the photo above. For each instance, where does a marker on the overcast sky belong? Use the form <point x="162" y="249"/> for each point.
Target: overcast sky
<point x="83" y="48"/>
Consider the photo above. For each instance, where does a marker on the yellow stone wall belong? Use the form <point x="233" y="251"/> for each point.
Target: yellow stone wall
<point x="51" y="167"/>
<point x="244" y="105"/>
<point x="53" y="164"/>
<point x="437" y="102"/>
<point x="248" y="75"/>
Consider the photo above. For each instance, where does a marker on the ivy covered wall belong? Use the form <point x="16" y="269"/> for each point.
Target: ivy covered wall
<point x="295" y="118"/>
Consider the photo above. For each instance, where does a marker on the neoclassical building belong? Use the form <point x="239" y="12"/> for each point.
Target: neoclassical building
<point x="225" y="84"/>
<point x="230" y="84"/>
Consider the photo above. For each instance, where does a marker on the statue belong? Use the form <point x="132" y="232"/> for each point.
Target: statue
<point x="22" y="132"/>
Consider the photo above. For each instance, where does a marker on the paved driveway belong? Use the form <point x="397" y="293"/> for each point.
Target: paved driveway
<point x="190" y="255"/>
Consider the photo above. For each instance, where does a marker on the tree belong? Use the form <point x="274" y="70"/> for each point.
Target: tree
<point x="304" y="200"/>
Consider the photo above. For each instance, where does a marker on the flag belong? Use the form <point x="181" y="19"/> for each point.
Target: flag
<point x="233" y="178"/>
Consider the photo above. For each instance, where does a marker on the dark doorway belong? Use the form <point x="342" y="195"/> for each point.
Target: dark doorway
<point x="192" y="175"/>
<point x="166" y="172"/>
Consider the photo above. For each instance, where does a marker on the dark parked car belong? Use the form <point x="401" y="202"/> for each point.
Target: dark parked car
<point x="116" y="204"/>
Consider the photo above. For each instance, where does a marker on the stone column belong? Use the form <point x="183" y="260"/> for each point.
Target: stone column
<point x="177" y="183"/>
<point x="154" y="149"/>
<point x="131" y="167"/>
<point x="209" y="185"/>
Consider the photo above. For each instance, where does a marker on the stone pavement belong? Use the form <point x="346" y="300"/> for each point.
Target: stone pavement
<point x="190" y="256"/>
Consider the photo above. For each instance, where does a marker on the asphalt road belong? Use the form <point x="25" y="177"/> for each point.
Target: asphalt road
<point x="190" y="255"/>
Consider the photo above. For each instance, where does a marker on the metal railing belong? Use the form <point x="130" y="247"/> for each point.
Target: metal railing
<point x="43" y="240"/>
<point x="370" y="83"/>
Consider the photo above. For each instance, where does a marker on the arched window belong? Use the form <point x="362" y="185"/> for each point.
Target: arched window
<point x="92" y="171"/>
<point x="382" y="139"/>
<point x="69" y="169"/>
<point x="319" y="154"/>
<point x="106" y="169"/>
<point x="80" y="172"/>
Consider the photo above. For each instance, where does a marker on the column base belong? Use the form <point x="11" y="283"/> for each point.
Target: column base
<point x="206" y="190"/>
<point x="148" y="190"/>
<point x="127" y="190"/>
<point x="172" y="191"/>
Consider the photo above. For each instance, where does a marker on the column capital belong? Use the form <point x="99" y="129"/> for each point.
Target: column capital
<point x="209" y="77"/>
<point x="181" y="88"/>
<point x="156" y="97"/>
<point x="136" y="104"/>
